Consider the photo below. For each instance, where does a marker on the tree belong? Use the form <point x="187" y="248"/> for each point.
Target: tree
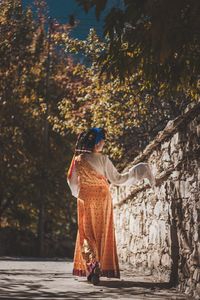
<point x="132" y="112"/>
<point x="24" y="52"/>
<point x="161" y="38"/>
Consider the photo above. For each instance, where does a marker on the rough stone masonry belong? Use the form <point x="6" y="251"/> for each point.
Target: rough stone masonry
<point x="158" y="230"/>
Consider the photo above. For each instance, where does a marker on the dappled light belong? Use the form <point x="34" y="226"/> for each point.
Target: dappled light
<point x="137" y="76"/>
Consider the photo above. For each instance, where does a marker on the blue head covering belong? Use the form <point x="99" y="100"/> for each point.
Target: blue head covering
<point x="88" y="139"/>
<point x="99" y="133"/>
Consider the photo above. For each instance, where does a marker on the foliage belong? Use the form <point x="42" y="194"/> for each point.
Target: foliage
<point x="159" y="38"/>
<point x="132" y="83"/>
<point x="143" y="74"/>
<point x="34" y="158"/>
<point x="132" y="113"/>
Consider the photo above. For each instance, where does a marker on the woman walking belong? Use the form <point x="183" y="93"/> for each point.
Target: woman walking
<point x="89" y="176"/>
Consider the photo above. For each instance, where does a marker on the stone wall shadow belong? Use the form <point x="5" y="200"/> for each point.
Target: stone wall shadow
<point x="174" y="242"/>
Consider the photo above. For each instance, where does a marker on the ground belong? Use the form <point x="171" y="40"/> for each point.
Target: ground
<point x="52" y="279"/>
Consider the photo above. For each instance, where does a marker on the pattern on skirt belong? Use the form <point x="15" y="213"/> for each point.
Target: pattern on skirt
<point x="95" y="237"/>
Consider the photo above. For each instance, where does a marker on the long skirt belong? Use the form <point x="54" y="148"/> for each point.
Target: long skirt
<point x="95" y="237"/>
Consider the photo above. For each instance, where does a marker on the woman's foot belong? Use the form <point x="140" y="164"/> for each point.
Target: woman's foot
<point x="89" y="277"/>
<point x="94" y="276"/>
<point x="95" y="279"/>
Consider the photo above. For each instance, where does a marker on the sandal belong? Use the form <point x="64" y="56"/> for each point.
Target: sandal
<point x="94" y="276"/>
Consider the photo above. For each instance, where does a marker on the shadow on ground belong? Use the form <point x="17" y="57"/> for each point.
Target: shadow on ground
<point x="128" y="284"/>
<point x="47" y="280"/>
<point x="16" y="288"/>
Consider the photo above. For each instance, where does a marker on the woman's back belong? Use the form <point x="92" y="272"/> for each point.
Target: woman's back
<point x="89" y="176"/>
<point x="97" y="161"/>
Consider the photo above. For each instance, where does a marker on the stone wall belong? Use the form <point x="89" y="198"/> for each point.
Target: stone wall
<point x="158" y="229"/>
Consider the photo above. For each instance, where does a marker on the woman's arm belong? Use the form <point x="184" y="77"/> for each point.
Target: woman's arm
<point x="139" y="172"/>
<point x="72" y="179"/>
<point x="135" y="173"/>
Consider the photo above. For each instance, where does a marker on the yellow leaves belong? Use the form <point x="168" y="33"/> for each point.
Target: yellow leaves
<point x="25" y="99"/>
<point x="64" y="36"/>
<point x="130" y="54"/>
<point x="36" y="70"/>
<point x="43" y="107"/>
<point x="4" y="222"/>
<point x="124" y="46"/>
<point x="163" y="85"/>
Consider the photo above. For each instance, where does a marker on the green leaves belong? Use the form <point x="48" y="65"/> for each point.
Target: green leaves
<point x="157" y="37"/>
<point x="46" y="100"/>
<point x="128" y="101"/>
<point x="26" y="110"/>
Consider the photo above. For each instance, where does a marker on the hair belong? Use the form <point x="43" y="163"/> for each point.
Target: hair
<point x="88" y="139"/>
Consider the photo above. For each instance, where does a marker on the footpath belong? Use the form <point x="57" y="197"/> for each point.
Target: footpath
<point x="42" y="280"/>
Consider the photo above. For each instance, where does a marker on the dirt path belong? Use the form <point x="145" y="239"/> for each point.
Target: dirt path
<point x="31" y="279"/>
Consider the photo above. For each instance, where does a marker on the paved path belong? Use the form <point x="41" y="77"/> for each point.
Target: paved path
<point x="22" y="279"/>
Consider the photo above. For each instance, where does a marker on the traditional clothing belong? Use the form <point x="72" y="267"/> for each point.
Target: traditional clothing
<point x="88" y="179"/>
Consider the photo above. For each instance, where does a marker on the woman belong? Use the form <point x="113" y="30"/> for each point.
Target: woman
<point x="88" y="177"/>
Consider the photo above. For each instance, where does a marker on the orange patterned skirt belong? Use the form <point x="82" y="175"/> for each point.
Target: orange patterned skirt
<point x="95" y="237"/>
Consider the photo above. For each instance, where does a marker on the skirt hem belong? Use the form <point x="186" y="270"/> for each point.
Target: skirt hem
<point x="104" y="273"/>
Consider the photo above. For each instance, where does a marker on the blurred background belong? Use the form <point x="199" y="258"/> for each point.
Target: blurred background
<point x="134" y="71"/>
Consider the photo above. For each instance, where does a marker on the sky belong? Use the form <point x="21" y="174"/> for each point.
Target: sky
<point x="61" y="9"/>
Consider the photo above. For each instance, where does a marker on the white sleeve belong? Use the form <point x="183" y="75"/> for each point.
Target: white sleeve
<point x="139" y="172"/>
<point x="135" y="173"/>
<point x="74" y="183"/>
<point x="113" y="175"/>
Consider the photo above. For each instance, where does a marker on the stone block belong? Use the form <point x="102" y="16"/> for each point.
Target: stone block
<point x="121" y="220"/>
<point x="196" y="232"/>
<point x="132" y="259"/>
<point x="158" y="208"/>
<point x="184" y="189"/>
<point x="156" y="259"/>
<point x="166" y="156"/>
<point x="166" y="260"/>
<point x="149" y="261"/>
<point x="162" y="231"/>
<point x="131" y="224"/>
<point x="154" y="233"/>
<point x="175" y="175"/>
<point x="165" y="145"/>
<point x="196" y="275"/>
<point x="174" y="142"/>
